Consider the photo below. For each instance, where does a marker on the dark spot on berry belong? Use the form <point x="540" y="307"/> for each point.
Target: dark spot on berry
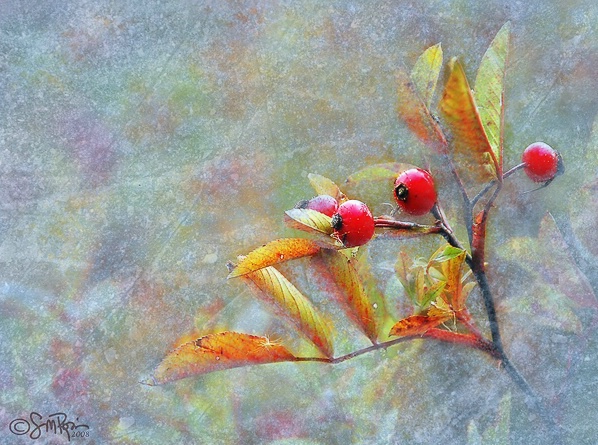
<point x="337" y="221"/>
<point x="401" y="192"/>
<point x="302" y="204"/>
<point x="560" y="169"/>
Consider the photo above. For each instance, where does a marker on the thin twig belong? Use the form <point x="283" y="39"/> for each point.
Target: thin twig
<point x="472" y="341"/>
<point x="488" y="186"/>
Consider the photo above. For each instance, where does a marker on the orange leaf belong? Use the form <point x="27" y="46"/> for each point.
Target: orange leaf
<point x="417" y="325"/>
<point x="413" y="111"/>
<point x="275" y="252"/>
<point x="354" y="299"/>
<point x="275" y="289"/>
<point x="215" y="352"/>
<point x="470" y="146"/>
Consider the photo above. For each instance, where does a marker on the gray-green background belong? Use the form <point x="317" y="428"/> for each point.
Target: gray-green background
<point x="144" y="144"/>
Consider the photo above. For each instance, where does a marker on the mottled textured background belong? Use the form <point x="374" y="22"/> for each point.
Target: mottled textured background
<point x="144" y="144"/>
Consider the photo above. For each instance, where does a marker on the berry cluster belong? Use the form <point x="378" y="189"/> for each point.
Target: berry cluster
<point x="415" y="193"/>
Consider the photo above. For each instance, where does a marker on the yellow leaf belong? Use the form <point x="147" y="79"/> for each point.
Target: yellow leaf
<point x="354" y="299"/>
<point x="441" y="308"/>
<point x="324" y="186"/>
<point x="489" y="90"/>
<point x="413" y="111"/>
<point x="275" y="252"/>
<point x="289" y="302"/>
<point x="473" y="154"/>
<point x="452" y="271"/>
<point x="426" y="71"/>
<point x="416" y="325"/>
<point x="215" y="352"/>
<point x="314" y="222"/>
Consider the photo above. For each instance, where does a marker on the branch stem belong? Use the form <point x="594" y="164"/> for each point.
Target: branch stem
<point x="470" y="340"/>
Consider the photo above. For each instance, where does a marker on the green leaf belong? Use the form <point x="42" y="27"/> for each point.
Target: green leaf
<point x="497" y="433"/>
<point x="426" y="71"/>
<point x="324" y="186"/>
<point x="548" y="260"/>
<point x="473" y="155"/>
<point x="275" y="252"/>
<point x="446" y="254"/>
<point x="404" y="271"/>
<point x="374" y="184"/>
<point x="431" y="293"/>
<point x="489" y="90"/>
<point x="275" y="289"/>
<point x="378" y="172"/>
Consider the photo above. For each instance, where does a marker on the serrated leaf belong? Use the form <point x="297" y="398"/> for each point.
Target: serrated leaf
<point x="440" y="308"/>
<point x="375" y="183"/>
<point x="435" y="274"/>
<point x="489" y="90"/>
<point x="499" y="432"/>
<point x="451" y="264"/>
<point x="215" y="352"/>
<point x="324" y="186"/>
<point x="473" y="435"/>
<point x="309" y="220"/>
<point x="405" y="275"/>
<point x="459" y="303"/>
<point x="416" y="325"/>
<point x="355" y="301"/>
<point x="275" y="252"/>
<point x="543" y="306"/>
<point x="415" y="114"/>
<point x="314" y="222"/>
<point x="274" y="288"/>
<point x="548" y="261"/>
<point x="426" y="71"/>
<point x="559" y="267"/>
<point x="474" y="156"/>
<point x="363" y="266"/>
<point x="431" y="293"/>
<point x="447" y="253"/>
<point x="378" y="172"/>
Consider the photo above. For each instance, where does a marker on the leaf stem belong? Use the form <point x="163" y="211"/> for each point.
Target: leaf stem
<point x="513" y="170"/>
<point x="469" y="340"/>
<point x="488" y="186"/>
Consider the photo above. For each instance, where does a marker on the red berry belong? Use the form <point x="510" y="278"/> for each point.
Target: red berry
<point x="325" y="204"/>
<point x="542" y="162"/>
<point x="415" y="192"/>
<point x="353" y="223"/>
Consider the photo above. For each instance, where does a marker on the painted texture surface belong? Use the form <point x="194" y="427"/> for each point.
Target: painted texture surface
<point x="145" y="144"/>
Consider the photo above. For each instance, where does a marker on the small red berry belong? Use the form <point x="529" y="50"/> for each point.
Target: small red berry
<point x="415" y="192"/>
<point x="353" y="223"/>
<point x="542" y="162"/>
<point x="325" y="204"/>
